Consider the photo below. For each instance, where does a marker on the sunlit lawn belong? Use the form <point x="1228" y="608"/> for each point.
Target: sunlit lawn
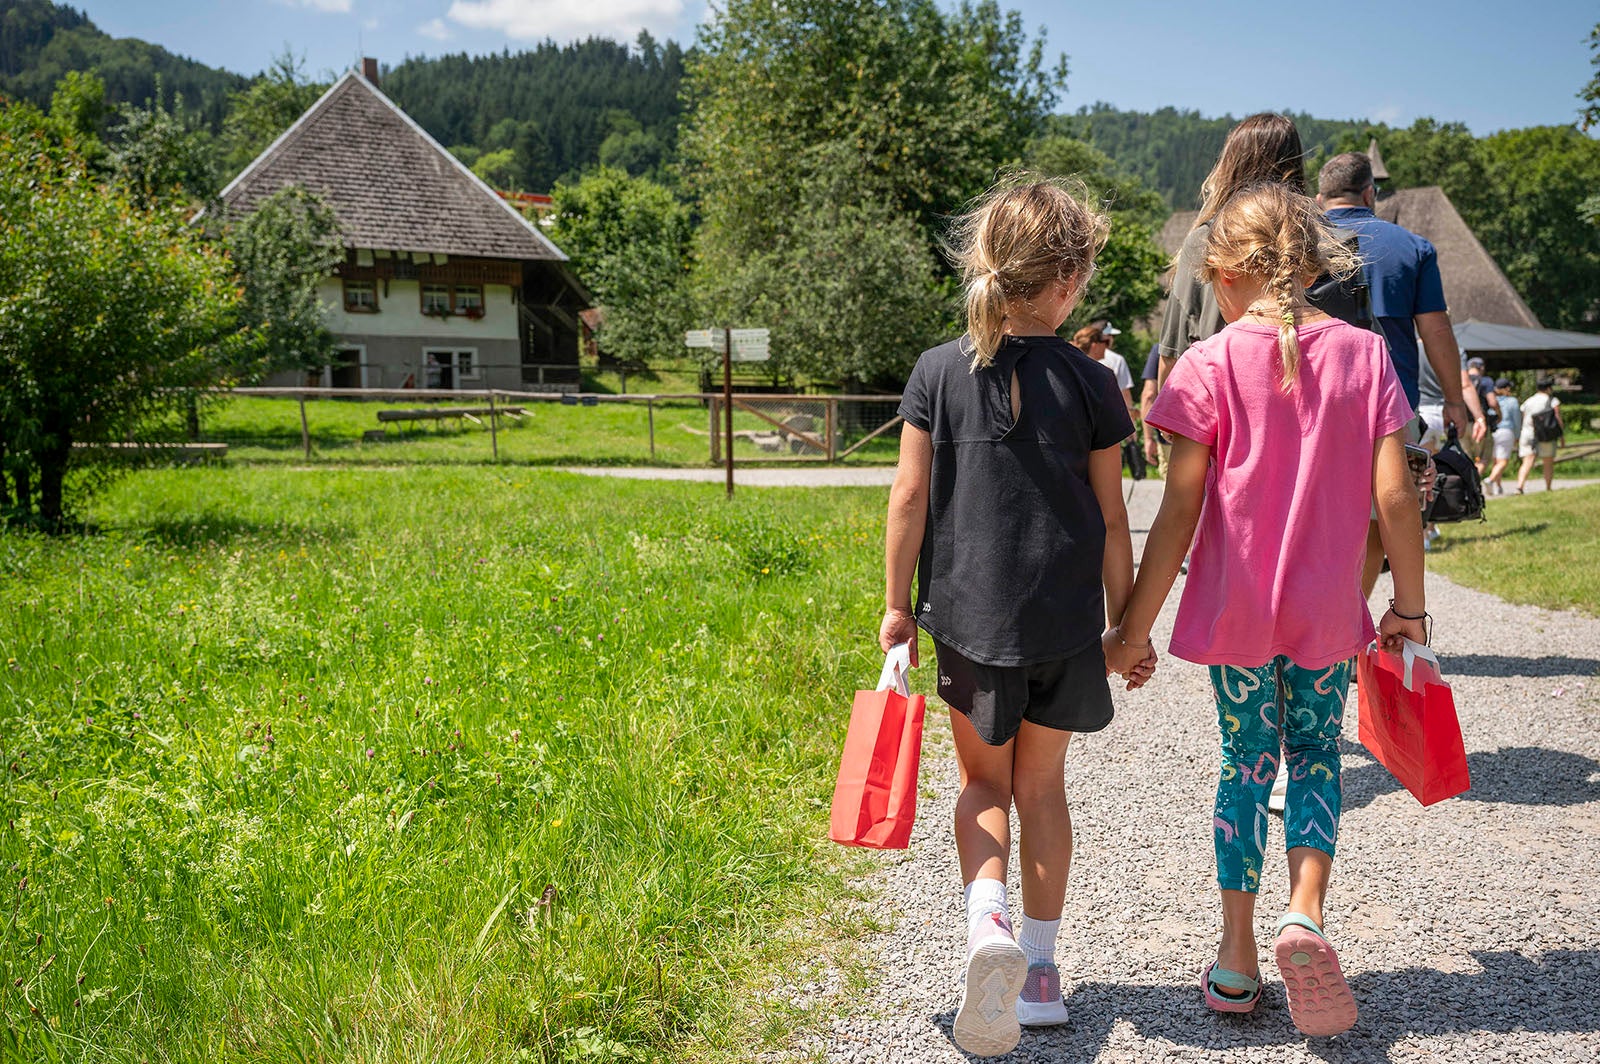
<point x="261" y="430"/>
<point x="1540" y="549"/>
<point x="417" y="764"/>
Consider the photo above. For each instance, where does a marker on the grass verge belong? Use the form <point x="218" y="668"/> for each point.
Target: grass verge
<point x="419" y="764"/>
<point x="1537" y="549"/>
<point x="264" y="431"/>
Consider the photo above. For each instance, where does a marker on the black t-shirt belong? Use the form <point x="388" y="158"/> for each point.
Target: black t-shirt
<point x="1010" y="567"/>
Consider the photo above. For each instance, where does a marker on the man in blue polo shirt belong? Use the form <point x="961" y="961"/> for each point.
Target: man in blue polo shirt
<point x="1402" y="273"/>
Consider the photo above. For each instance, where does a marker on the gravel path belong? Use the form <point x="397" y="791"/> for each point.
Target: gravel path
<point x="1470" y="930"/>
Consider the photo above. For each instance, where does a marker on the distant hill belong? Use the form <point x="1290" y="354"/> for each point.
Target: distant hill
<point x="558" y="108"/>
<point x="1172" y="150"/>
<point x="41" y="41"/>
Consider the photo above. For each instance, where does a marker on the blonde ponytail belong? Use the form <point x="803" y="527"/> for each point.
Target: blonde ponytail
<point x="986" y="317"/>
<point x="1017" y="238"/>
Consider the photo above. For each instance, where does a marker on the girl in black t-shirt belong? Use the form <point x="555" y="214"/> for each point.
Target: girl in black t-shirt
<point x="1008" y="506"/>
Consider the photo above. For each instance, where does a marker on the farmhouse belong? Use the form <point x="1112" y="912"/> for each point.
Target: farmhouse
<point x="444" y="283"/>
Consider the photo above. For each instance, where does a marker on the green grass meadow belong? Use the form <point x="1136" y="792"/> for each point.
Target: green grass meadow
<point x="420" y="764"/>
<point x="1539" y="549"/>
<point x="263" y="431"/>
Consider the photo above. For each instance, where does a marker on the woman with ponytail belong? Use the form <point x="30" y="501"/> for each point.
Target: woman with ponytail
<point x="1007" y="509"/>
<point x="1286" y="425"/>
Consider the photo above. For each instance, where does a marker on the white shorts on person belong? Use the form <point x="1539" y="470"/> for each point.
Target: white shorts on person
<point x="1503" y="443"/>
<point x="1532" y="448"/>
<point x="1433" y="434"/>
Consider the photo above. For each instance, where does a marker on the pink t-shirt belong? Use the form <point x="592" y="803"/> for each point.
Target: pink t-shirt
<point x="1276" y="565"/>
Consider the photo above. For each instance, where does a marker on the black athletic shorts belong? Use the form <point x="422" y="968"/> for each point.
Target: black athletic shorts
<point x="1070" y="694"/>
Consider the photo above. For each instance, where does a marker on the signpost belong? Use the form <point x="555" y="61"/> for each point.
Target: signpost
<point x="738" y="345"/>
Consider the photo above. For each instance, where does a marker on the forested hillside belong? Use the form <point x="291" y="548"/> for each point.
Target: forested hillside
<point x="41" y="41"/>
<point x="555" y="109"/>
<point x="1172" y="150"/>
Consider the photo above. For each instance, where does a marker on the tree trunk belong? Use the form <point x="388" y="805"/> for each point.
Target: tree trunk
<point x="5" y="488"/>
<point x="52" y="474"/>
<point x="24" y="491"/>
<point x="192" y="419"/>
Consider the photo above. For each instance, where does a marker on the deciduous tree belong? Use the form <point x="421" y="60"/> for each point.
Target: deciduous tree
<point x="108" y="312"/>
<point x="629" y="242"/>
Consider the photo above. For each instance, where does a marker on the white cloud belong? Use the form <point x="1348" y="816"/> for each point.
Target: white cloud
<point x="1389" y="114"/>
<point x="332" y="7"/>
<point x="537" y="19"/>
<point x="436" y="29"/>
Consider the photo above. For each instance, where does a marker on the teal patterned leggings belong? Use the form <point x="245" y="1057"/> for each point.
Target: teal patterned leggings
<point x="1276" y="707"/>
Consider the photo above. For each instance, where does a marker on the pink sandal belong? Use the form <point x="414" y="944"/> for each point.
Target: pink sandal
<point x="1228" y="979"/>
<point x="1320" y="1002"/>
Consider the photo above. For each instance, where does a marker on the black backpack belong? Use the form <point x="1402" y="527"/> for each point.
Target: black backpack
<point x="1348" y="300"/>
<point x="1546" y="426"/>
<point x="1458" y="491"/>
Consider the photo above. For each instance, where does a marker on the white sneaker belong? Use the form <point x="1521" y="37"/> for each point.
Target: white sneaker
<point x="986" y="1022"/>
<point x="1040" y="1003"/>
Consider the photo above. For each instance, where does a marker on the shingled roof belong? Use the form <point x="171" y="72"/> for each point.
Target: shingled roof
<point x="391" y="185"/>
<point x="1474" y="286"/>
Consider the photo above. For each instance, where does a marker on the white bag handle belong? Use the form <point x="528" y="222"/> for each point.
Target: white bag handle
<point x="896" y="664"/>
<point x="1410" y="652"/>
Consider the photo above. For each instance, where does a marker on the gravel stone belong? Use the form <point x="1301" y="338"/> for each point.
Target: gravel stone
<point x="1468" y="929"/>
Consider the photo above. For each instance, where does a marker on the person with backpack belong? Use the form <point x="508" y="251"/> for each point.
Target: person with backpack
<point x="1483" y="450"/>
<point x="1542" y="431"/>
<point x="1407" y="297"/>
<point x="1271" y="604"/>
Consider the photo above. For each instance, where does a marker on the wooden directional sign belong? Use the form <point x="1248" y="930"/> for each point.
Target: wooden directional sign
<point x="751" y="345"/>
<point x="705" y="338"/>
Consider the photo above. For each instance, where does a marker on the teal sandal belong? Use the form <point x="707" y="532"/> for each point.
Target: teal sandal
<point x="1213" y="977"/>
<point x="1320" y="1002"/>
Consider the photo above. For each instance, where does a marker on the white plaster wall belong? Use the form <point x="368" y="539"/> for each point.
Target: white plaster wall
<point x="400" y="314"/>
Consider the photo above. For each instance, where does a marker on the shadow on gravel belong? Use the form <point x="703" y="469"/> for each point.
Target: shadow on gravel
<point x="1520" y="775"/>
<point x="1502" y="665"/>
<point x="1511" y="994"/>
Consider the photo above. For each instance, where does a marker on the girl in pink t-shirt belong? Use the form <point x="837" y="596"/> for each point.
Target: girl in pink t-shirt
<point x="1288" y="427"/>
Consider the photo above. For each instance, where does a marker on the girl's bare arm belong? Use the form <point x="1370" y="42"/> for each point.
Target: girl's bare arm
<point x="907" y="521"/>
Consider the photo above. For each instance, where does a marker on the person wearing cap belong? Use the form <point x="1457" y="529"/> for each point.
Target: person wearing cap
<point x="1505" y="433"/>
<point x="1094" y="340"/>
<point x="1530" y="448"/>
<point x="1482" y="451"/>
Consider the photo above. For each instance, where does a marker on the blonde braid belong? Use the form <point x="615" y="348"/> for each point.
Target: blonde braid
<point x="1283" y="287"/>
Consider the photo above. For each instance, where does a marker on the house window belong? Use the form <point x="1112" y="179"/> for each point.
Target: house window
<point x="467" y="365"/>
<point x="469" y="300"/>
<point x="436" y="300"/>
<point x="361" y="297"/>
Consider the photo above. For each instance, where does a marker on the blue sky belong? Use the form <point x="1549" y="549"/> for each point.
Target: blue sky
<point x="1492" y="66"/>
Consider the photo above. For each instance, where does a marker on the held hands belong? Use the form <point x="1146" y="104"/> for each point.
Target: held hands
<point x="1134" y="663"/>
<point x="1391" y="629"/>
<point x="899" y="626"/>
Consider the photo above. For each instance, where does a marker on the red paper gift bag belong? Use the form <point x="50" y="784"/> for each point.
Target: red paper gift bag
<point x="875" y="799"/>
<point x="1408" y="721"/>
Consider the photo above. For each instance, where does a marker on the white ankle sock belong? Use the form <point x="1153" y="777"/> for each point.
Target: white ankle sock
<point x="985" y="896"/>
<point x="1038" y="939"/>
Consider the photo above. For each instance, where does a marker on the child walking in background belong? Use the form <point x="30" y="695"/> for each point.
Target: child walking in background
<point x="1007" y="505"/>
<point x="1287" y="427"/>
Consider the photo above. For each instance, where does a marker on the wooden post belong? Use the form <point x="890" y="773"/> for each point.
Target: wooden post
<point x="494" y="428"/>
<point x="305" y="430"/>
<point x="727" y="397"/>
<point x="832" y="421"/>
<point x="650" y="409"/>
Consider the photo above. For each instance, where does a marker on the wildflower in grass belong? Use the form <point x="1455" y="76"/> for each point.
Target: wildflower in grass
<point x="371" y="753"/>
